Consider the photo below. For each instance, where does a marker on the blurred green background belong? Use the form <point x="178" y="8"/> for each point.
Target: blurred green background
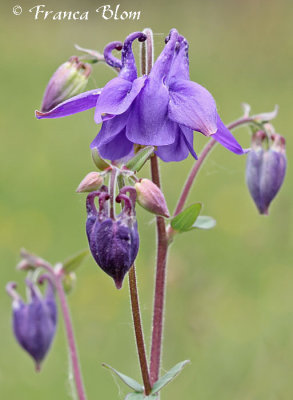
<point x="230" y="290"/>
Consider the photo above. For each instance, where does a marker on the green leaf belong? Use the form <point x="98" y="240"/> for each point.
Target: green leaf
<point x="204" y="222"/>
<point x="133" y="384"/>
<point x="169" y="376"/>
<point x="138" y="161"/>
<point x="72" y="263"/>
<point x="183" y="222"/>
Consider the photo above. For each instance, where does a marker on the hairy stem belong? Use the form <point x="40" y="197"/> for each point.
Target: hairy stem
<point x="159" y="296"/>
<point x="138" y="330"/>
<point x="70" y="338"/>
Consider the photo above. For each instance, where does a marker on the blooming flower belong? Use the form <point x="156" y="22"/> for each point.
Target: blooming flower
<point x="34" y="324"/>
<point x="161" y="109"/>
<point x="113" y="242"/>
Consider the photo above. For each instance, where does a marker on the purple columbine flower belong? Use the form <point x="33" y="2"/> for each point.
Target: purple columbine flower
<point x="113" y="242"/>
<point x="265" y="169"/>
<point x="161" y="109"/>
<point x="34" y="323"/>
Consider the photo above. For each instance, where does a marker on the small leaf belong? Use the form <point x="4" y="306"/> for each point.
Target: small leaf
<point x="169" y="376"/>
<point x="72" y="263"/>
<point x="204" y="222"/>
<point x="140" y="396"/>
<point x="138" y="161"/>
<point x="133" y="384"/>
<point x="183" y="222"/>
<point x="134" y="396"/>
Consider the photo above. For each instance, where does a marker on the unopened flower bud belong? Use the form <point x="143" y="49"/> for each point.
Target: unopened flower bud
<point x="113" y="242"/>
<point x="69" y="80"/>
<point x="150" y="197"/>
<point x="265" y="169"/>
<point x="91" y="182"/>
<point x="34" y="323"/>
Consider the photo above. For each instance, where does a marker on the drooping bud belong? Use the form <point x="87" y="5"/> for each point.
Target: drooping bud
<point x="91" y="182"/>
<point x="265" y="169"/>
<point x="34" y="323"/>
<point x="67" y="81"/>
<point x="150" y="197"/>
<point x="113" y="242"/>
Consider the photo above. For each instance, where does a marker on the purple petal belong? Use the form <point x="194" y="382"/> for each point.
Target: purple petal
<point x="117" y="96"/>
<point x="193" y="106"/>
<point x="118" y="147"/>
<point x="164" y="61"/>
<point x="226" y="139"/>
<point x="180" y="65"/>
<point x="76" y="104"/>
<point x="128" y="70"/>
<point x="179" y="150"/>
<point x="148" y="122"/>
<point x="110" y="129"/>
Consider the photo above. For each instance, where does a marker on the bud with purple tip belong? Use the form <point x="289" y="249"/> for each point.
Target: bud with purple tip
<point x="90" y="182"/>
<point x="265" y="169"/>
<point x="113" y="241"/>
<point x="34" y="323"/>
<point x="69" y="80"/>
<point x="150" y="197"/>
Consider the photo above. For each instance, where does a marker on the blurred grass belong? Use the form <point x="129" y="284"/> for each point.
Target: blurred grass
<point x="230" y="297"/>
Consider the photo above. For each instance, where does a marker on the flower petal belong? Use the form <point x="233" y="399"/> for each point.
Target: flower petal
<point x="193" y="106"/>
<point x="226" y="139"/>
<point x="110" y="129"/>
<point x="128" y="70"/>
<point x="148" y="122"/>
<point x="180" y="65"/>
<point x="117" y="96"/>
<point x="76" y="104"/>
<point x="118" y="147"/>
<point x="163" y="63"/>
<point x="179" y="150"/>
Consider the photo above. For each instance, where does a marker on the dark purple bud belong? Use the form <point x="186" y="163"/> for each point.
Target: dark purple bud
<point x="69" y="80"/>
<point x="265" y="169"/>
<point x="34" y="323"/>
<point x="113" y="242"/>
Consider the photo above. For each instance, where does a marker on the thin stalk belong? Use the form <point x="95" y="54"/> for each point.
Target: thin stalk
<point x="112" y="191"/>
<point x="70" y="338"/>
<point x="159" y="296"/>
<point x="194" y="171"/>
<point x="138" y="330"/>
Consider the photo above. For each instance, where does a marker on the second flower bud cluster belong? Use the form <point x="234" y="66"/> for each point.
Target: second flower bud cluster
<point x="114" y="239"/>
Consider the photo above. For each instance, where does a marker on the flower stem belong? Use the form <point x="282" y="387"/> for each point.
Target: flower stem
<point x="70" y="337"/>
<point x="194" y="171"/>
<point x="112" y="190"/>
<point x="138" y="331"/>
<point x="159" y="296"/>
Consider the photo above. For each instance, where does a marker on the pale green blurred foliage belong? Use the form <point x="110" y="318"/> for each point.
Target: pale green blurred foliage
<point x="230" y="297"/>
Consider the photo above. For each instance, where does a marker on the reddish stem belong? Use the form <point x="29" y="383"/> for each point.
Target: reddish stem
<point x="70" y="338"/>
<point x="159" y="296"/>
<point x="138" y="331"/>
